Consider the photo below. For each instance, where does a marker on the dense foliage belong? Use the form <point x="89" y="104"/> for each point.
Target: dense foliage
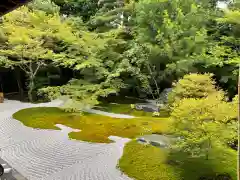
<point x="201" y="115"/>
<point x="204" y="123"/>
<point x="136" y="47"/>
<point x="192" y="86"/>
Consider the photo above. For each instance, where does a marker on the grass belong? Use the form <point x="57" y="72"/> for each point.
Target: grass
<point x="126" y="109"/>
<point x="145" y="162"/>
<point x="95" y="128"/>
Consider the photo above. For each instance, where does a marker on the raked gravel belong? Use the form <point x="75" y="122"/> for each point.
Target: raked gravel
<point x="50" y="154"/>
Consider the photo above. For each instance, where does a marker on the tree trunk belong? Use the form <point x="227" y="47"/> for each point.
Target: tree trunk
<point x="30" y="89"/>
<point x="239" y="112"/>
<point x="208" y="149"/>
<point x="154" y="80"/>
<point x="207" y="155"/>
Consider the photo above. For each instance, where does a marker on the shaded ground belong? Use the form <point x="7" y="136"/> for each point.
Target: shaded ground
<point x="94" y="128"/>
<point x="146" y="162"/>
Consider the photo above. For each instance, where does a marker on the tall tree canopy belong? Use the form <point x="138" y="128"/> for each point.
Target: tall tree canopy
<point x="30" y="39"/>
<point x="138" y="47"/>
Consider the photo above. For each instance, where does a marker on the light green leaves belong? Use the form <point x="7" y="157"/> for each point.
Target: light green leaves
<point x="201" y="116"/>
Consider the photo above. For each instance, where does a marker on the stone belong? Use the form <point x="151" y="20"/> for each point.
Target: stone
<point x="141" y="140"/>
<point x="154" y="105"/>
<point x="161" y="141"/>
<point x="164" y="95"/>
<point x="173" y="162"/>
<point x="156" y="144"/>
<point x="223" y="177"/>
<point x="147" y="107"/>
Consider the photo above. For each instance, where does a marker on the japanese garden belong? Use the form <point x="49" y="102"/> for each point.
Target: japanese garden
<point x="150" y="85"/>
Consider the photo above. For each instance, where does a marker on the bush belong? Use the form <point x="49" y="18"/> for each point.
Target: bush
<point x="192" y="86"/>
<point x="132" y="106"/>
<point x="203" y="123"/>
<point x="156" y="114"/>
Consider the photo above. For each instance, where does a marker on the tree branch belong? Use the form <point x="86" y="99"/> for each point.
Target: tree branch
<point x="38" y="66"/>
<point x="30" y="67"/>
<point x="23" y="68"/>
<point x="154" y="80"/>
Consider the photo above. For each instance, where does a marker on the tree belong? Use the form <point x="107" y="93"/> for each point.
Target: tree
<point x="103" y="71"/>
<point x="44" y="5"/>
<point x="232" y="19"/>
<point x="81" y="94"/>
<point x="78" y="8"/>
<point x="193" y="86"/>
<point x="142" y="45"/>
<point x="187" y="36"/>
<point x="110" y="15"/>
<point x="146" y="80"/>
<point x="201" y="116"/>
<point x="27" y="46"/>
<point x="108" y="62"/>
<point x="167" y="35"/>
<point x="175" y="29"/>
<point x="221" y="57"/>
<point x="203" y="124"/>
<point x="22" y="48"/>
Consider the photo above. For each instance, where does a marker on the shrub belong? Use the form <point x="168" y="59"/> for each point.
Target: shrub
<point x="156" y="114"/>
<point x="204" y="123"/>
<point x="192" y="86"/>
<point x="132" y="106"/>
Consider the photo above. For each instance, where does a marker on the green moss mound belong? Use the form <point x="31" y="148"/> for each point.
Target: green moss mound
<point x="145" y="162"/>
<point x="94" y="128"/>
